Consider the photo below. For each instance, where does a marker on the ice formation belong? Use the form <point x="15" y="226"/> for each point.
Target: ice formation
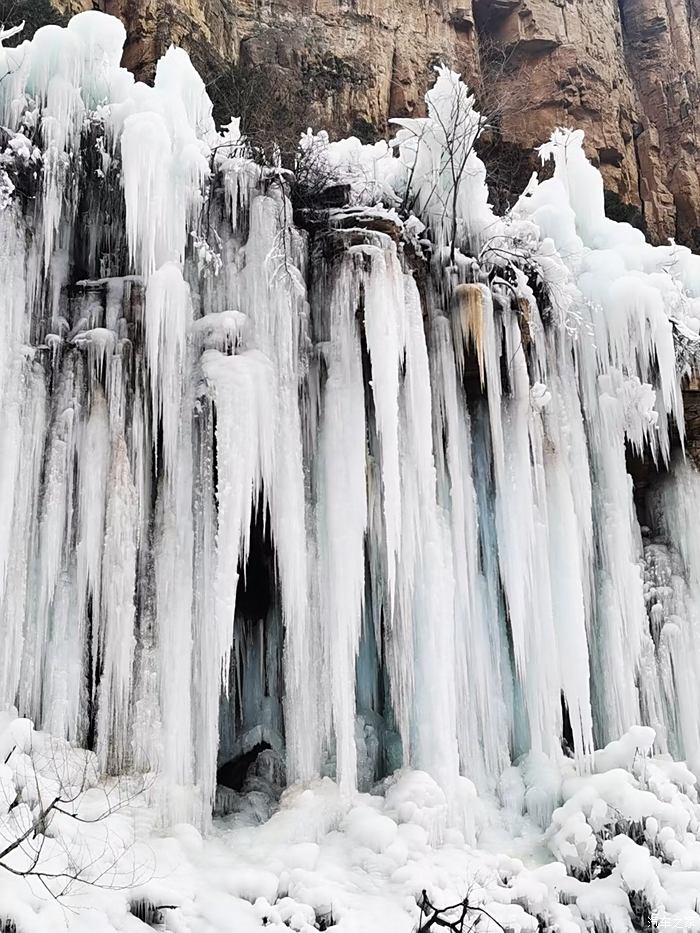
<point x="356" y="492"/>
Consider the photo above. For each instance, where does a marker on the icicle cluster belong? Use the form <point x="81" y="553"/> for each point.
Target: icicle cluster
<point x="361" y="495"/>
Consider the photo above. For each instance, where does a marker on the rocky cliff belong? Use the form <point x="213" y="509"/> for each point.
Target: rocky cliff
<point x="626" y="71"/>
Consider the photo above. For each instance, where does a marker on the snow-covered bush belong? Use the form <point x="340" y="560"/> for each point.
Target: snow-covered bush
<point x="630" y="828"/>
<point x="60" y="823"/>
<point x="20" y="163"/>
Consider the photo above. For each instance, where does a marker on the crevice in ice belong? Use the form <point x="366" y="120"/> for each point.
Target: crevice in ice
<point x="251" y="707"/>
<point x="233" y="773"/>
<point x="147" y="912"/>
<point x="567" y="734"/>
<point x="645" y="476"/>
<point x="257" y="589"/>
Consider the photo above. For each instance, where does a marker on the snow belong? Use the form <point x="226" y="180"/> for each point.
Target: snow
<point x="364" y="861"/>
<point x="357" y="499"/>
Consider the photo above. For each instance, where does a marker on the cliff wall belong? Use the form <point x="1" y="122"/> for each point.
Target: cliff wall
<point x="626" y="71"/>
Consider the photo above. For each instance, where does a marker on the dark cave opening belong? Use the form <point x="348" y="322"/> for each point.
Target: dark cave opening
<point x="233" y="773"/>
<point x="250" y="711"/>
<point x="645" y="475"/>
<point x="256" y="588"/>
<point x="567" y="733"/>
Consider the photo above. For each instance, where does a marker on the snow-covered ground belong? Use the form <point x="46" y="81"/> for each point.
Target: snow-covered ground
<point x="611" y="851"/>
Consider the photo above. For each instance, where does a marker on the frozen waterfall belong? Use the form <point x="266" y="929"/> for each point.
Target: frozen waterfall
<point x="342" y="488"/>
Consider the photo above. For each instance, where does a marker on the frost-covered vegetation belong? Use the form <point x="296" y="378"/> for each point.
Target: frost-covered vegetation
<point x="342" y="482"/>
<point x="616" y="849"/>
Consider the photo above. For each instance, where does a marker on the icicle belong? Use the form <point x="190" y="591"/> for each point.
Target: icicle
<point x="482" y="727"/>
<point x="428" y="585"/>
<point x="45" y="671"/>
<point x="207" y="652"/>
<point x="116" y="602"/>
<point x="15" y="392"/>
<point x="471" y="325"/>
<point x="672" y="593"/>
<point x="383" y="305"/>
<point x="165" y="162"/>
<point x="619" y="629"/>
<point x="342" y="511"/>
<point x="243" y="387"/>
<point x="168" y="316"/>
<point x="92" y="494"/>
<point x="274" y="296"/>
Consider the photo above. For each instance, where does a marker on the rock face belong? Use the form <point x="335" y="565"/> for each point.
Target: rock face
<point x="662" y="41"/>
<point x="626" y="71"/>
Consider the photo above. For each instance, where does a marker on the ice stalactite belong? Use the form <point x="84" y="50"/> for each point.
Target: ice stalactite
<point x="114" y="644"/>
<point x="164" y="162"/>
<point x="243" y="393"/>
<point x="521" y="507"/>
<point x="400" y="628"/>
<point x="671" y="581"/>
<point x="618" y="631"/>
<point x="16" y="444"/>
<point x="341" y="507"/>
<point x="168" y="320"/>
<point x="569" y="544"/>
<point x="350" y="483"/>
<point x="273" y="297"/>
<point x="383" y="319"/>
<point x="51" y="673"/>
<point x="431" y="583"/>
<point x="482" y="722"/>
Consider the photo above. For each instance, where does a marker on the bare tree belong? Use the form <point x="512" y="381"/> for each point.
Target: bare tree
<point x="272" y="104"/>
<point x="498" y="91"/>
<point x="56" y="820"/>
<point x="459" y="118"/>
<point x="32" y="13"/>
<point x="460" y="918"/>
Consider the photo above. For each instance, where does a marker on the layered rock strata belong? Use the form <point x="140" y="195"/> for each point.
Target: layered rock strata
<point x="626" y="71"/>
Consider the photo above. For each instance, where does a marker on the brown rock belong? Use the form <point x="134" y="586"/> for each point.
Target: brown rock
<point x="662" y="40"/>
<point x="625" y="71"/>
